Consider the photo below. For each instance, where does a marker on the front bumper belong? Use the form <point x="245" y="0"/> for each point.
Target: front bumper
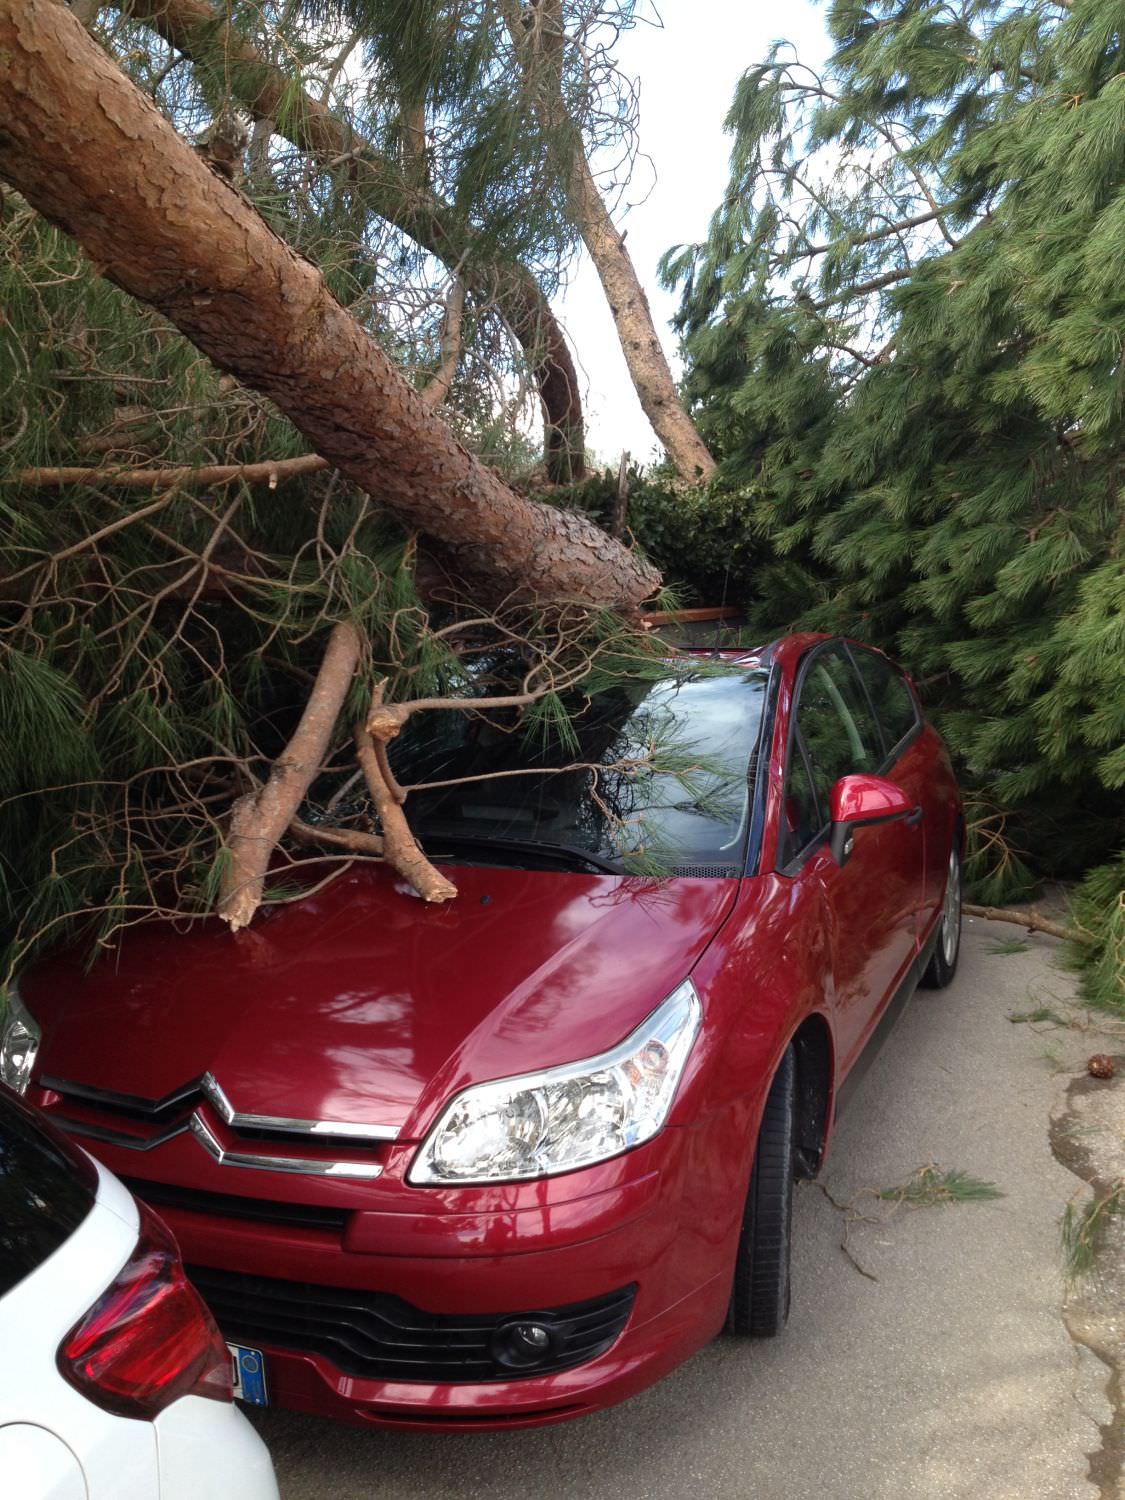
<point x="644" y="1353"/>
<point x="660" y="1219"/>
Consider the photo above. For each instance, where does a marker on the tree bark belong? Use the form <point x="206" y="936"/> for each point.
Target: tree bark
<point x="194" y="28"/>
<point x="541" y="44"/>
<point x="399" y="847"/>
<point x="644" y="355"/>
<point x="1029" y="919"/>
<point x="266" y="472"/>
<point x="97" y="158"/>
<point x="260" y="818"/>
<point x="438" y="388"/>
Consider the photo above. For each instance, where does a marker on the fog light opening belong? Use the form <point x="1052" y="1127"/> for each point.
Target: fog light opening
<point x="525" y="1343"/>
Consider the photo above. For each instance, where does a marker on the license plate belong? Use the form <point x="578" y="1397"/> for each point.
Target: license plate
<point x="248" y="1374"/>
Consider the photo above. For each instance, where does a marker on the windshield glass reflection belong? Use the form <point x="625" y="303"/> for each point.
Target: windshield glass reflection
<point x="655" y="774"/>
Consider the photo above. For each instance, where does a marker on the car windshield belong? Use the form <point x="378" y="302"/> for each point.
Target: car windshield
<point x="655" y="776"/>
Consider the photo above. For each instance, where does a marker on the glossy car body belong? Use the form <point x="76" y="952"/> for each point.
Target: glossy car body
<point x="269" y="1090"/>
<point x="67" y="1230"/>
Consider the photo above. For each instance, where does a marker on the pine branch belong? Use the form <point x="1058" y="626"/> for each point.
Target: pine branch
<point x="354" y="840"/>
<point x="1029" y="919"/>
<point x="878" y="234"/>
<point x="260" y="818"/>
<point x="861" y="288"/>
<point x="438" y="388"/>
<point x="399" y="847"/>
<point x="271" y="472"/>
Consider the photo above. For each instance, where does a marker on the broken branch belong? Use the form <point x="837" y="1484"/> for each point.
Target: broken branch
<point x="1029" y="919"/>
<point x="260" y="818"/>
<point x="399" y="847"/>
<point x="438" y="388"/>
<point x="271" y="472"/>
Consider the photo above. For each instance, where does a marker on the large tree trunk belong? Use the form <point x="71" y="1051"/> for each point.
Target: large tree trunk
<point x="196" y="29"/>
<point x="96" y="157"/>
<point x="644" y="355"/>
<point x="540" y="40"/>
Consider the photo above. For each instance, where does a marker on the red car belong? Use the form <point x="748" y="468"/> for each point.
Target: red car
<point x="508" y="1160"/>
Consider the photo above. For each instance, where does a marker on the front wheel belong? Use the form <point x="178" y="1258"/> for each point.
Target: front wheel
<point x="942" y="966"/>
<point x="759" y="1303"/>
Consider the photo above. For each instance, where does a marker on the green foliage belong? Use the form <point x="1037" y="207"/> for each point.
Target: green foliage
<point x="931" y="1186"/>
<point x="904" y="337"/>
<point x="1097" y="908"/>
<point x="1083" y="1230"/>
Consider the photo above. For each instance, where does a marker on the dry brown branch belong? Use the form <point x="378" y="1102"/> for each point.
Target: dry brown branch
<point x="356" y="840"/>
<point x="260" y="818"/>
<point x="399" y="847"/>
<point x="1029" y="919"/>
<point x="396" y="791"/>
<point x="438" y="388"/>
<point x="386" y="720"/>
<point x="271" y="472"/>
<point x="621" y="503"/>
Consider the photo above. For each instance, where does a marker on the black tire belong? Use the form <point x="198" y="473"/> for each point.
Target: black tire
<point x="759" y="1303"/>
<point x="942" y="966"/>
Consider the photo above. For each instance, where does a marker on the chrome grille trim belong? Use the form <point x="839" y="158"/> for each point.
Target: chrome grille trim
<point x="238" y="1120"/>
<point x="116" y="1137"/>
<point x="214" y="1147"/>
<point x="131" y="1103"/>
<point x="320" y="1132"/>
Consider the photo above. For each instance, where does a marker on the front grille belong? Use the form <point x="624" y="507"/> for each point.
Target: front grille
<point x="122" y="1119"/>
<point x="376" y="1336"/>
<point x="164" y="1111"/>
<point x="315" y="1148"/>
<point x="231" y="1205"/>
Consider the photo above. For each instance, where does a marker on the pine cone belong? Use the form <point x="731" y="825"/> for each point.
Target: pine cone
<point x="1100" y="1066"/>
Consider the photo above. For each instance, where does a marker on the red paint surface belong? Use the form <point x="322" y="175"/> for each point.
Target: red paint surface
<point x="364" y="1004"/>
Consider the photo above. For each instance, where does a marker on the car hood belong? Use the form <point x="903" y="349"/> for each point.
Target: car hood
<point x="364" y="1004"/>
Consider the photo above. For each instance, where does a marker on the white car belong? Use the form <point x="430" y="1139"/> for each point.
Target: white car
<point x="115" y="1383"/>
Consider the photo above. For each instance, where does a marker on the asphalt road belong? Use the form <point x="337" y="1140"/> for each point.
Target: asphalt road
<point x="951" y="1376"/>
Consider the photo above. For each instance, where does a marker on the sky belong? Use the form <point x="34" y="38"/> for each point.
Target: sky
<point x="687" y="68"/>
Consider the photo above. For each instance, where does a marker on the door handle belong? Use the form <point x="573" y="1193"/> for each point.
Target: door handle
<point x="914" y="818"/>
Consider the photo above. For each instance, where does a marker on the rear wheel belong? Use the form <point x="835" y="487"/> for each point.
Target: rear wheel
<point x="759" y="1303"/>
<point x="942" y="966"/>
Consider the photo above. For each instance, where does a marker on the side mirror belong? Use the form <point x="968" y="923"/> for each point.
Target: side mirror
<point x="860" y="802"/>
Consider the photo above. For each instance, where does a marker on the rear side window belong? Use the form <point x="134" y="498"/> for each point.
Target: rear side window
<point x="46" y="1190"/>
<point x="892" y="699"/>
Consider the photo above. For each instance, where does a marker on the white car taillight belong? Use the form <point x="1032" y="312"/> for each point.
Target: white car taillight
<point x="148" y="1339"/>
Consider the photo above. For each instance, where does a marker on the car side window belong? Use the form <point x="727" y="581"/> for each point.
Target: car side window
<point x="836" y="736"/>
<point x="800" y="815"/>
<point x="892" y="699"/>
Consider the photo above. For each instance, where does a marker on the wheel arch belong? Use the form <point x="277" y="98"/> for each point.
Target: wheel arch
<point x="812" y="1048"/>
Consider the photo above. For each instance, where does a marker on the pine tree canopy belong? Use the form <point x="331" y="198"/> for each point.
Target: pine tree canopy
<point x="904" y="335"/>
<point x="163" y="617"/>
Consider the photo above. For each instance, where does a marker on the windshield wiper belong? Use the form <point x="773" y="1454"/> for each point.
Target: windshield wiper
<point x="570" y="853"/>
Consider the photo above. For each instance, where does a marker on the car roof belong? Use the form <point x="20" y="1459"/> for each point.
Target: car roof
<point x="782" y="649"/>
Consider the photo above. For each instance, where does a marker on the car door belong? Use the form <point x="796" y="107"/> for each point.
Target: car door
<point x="870" y="904"/>
<point x="909" y="763"/>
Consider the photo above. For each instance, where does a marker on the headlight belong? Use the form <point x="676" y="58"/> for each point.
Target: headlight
<point x="19" y="1042"/>
<point x="566" y="1117"/>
